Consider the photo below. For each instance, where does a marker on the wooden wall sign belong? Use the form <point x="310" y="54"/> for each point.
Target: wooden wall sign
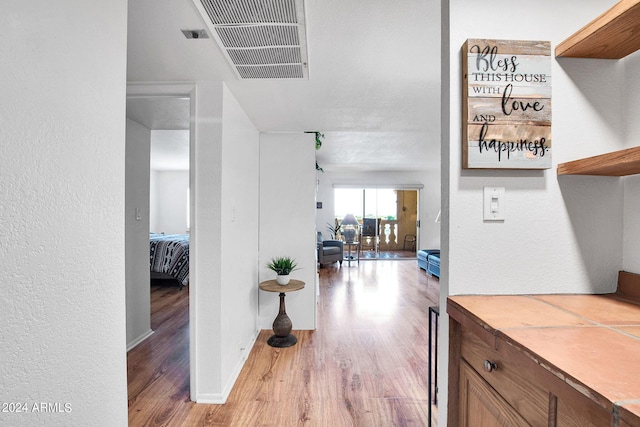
<point x="506" y="106"/>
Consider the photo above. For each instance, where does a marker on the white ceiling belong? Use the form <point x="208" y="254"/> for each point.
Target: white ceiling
<point x="168" y="119"/>
<point x="166" y="113"/>
<point x="373" y="88"/>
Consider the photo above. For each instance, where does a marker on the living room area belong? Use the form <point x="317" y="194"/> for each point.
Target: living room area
<point x="392" y="214"/>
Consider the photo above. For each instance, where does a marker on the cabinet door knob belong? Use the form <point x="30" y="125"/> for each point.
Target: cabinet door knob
<point x="490" y="366"/>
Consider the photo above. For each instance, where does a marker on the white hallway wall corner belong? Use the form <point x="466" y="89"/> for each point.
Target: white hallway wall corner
<point x="560" y="234"/>
<point x="222" y="184"/>
<point x="240" y="222"/>
<point x="206" y="251"/>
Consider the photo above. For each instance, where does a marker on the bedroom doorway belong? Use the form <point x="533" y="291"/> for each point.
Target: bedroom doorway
<point x="159" y="201"/>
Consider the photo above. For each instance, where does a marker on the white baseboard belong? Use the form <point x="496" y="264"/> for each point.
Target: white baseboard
<point x="138" y="340"/>
<point x="211" y="398"/>
<point x="220" y="398"/>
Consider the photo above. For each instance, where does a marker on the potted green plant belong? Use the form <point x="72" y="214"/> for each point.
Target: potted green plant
<point x="334" y="230"/>
<point x="283" y="266"/>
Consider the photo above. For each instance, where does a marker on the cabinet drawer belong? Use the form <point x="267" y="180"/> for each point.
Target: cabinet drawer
<point x="512" y="377"/>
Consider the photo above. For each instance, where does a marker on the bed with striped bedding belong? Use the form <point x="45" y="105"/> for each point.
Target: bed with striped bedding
<point x="169" y="256"/>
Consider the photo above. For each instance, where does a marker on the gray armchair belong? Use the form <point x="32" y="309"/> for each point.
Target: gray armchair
<point x="329" y="250"/>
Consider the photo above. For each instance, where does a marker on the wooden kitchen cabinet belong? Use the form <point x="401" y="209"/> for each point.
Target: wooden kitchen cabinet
<point x="495" y="381"/>
<point x="503" y="393"/>
<point x="506" y="371"/>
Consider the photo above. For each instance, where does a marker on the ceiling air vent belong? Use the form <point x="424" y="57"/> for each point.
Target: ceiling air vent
<point x="262" y="39"/>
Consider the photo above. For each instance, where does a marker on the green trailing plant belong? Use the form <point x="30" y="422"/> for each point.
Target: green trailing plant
<point x="334" y="229"/>
<point x="319" y="137"/>
<point x="282" y="265"/>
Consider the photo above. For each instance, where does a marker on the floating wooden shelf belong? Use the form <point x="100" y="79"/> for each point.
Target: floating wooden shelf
<point x="612" y="35"/>
<point x="618" y="163"/>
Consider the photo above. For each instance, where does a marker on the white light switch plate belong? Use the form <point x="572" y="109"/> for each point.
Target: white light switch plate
<point x="494" y="204"/>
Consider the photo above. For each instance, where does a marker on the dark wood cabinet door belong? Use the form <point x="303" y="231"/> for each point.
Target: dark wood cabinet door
<point x="481" y="405"/>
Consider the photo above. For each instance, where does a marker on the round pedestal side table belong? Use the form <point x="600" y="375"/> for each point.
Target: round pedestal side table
<point x="282" y="324"/>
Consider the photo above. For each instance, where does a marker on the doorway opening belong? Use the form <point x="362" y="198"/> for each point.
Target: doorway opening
<point x="387" y="220"/>
<point x="159" y="260"/>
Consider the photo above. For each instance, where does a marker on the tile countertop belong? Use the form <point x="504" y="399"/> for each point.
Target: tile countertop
<point x="592" y="340"/>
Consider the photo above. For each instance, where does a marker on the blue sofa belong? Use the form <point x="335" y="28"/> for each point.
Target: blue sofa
<point x="429" y="260"/>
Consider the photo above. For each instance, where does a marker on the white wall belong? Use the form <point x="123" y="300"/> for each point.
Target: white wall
<point x="287" y="222"/>
<point x="223" y="278"/>
<point x="631" y="261"/>
<point x="62" y="197"/>
<point x="571" y="225"/>
<point x="561" y="234"/>
<point x="169" y="209"/>
<point x="429" y="197"/>
<point x="205" y="248"/>
<point x="137" y="233"/>
<point x="240" y="204"/>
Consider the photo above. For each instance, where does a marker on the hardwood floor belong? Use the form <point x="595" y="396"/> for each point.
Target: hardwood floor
<point x="365" y="365"/>
<point x="158" y="368"/>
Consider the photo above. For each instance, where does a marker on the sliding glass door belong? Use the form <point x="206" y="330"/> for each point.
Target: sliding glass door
<point x="387" y="220"/>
